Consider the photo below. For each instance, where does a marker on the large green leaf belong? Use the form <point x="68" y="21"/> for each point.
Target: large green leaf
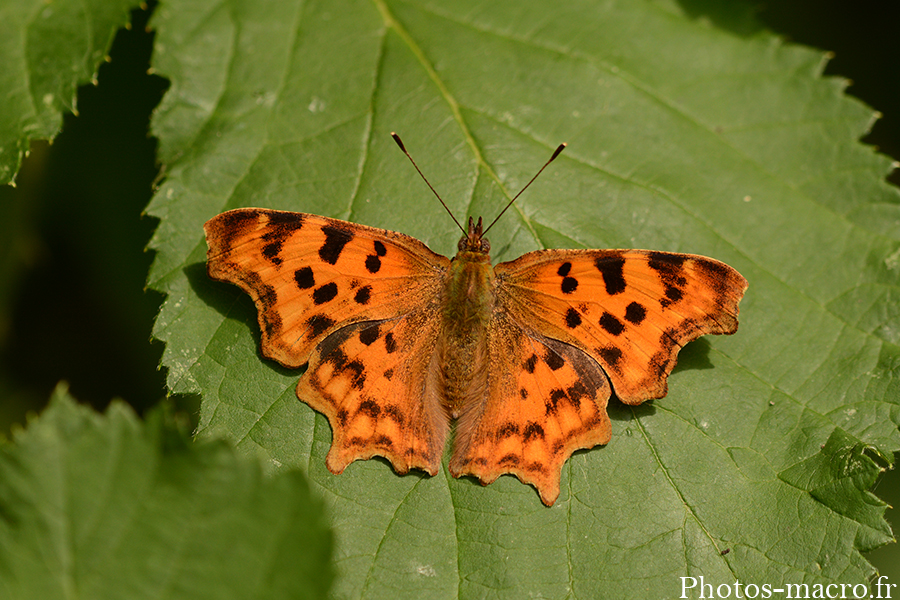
<point x="683" y="136"/>
<point x="48" y="49"/>
<point x="105" y="506"/>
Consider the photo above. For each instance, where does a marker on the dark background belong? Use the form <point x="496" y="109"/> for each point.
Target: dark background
<point x="72" y="284"/>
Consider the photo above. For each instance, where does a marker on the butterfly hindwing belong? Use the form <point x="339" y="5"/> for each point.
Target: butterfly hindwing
<point x="376" y="383"/>
<point x="310" y="275"/>
<point x="631" y="310"/>
<point x="547" y="401"/>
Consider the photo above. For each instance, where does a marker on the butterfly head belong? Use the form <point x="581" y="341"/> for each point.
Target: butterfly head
<point x="473" y="240"/>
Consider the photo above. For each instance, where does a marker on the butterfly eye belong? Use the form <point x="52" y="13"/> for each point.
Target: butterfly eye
<point x="462" y="243"/>
<point x="485" y="245"/>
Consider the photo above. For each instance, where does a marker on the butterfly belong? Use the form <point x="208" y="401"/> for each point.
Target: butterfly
<point x="401" y="342"/>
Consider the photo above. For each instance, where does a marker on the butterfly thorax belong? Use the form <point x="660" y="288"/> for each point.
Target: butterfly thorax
<point x="467" y="307"/>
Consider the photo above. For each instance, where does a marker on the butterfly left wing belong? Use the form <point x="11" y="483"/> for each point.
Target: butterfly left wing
<point x="630" y="310"/>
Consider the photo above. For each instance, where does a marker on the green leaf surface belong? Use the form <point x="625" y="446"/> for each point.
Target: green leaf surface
<point x="105" y="506"/>
<point x="48" y="50"/>
<point x="683" y="136"/>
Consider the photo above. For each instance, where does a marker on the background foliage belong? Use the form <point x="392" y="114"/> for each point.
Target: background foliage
<point x="95" y="262"/>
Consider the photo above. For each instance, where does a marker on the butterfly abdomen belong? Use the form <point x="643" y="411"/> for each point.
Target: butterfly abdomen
<point x="467" y="307"/>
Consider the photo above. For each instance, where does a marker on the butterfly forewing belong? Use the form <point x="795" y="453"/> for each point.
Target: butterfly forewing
<point x="311" y="275"/>
<point x="631" y="310"/>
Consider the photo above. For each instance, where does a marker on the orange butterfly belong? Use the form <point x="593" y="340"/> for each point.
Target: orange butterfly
<point x="400" y="340"/>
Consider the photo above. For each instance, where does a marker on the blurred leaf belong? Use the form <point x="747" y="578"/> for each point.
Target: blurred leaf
<point x="48" y="49"/>
<point x="72" y="243"/>
<point x="682" y="137"/>
<point x="105" y="506"/>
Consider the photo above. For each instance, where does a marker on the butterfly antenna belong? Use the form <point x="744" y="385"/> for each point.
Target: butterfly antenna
<point x="556" y="152"/>
<point x="441" y="200"/>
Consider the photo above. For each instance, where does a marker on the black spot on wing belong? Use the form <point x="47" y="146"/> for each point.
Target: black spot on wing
<point x="611" y="324"/>
<point x="553" y="360"/>
<point x="673" y="294"/>
<point x="325" y="293"/>
<point x="533" y="431"/>
<point x="556" y="396"/>
<point x="531" y="363"/>
<point x="285" y="222"/>
<point x="373" y="263"/>
<point x="335" y="240"/>
<point x="506" y="430"/>
<point x="363" y="295"/>
<point x="670" y="270"/>
<point x="384" y="442"/>
<point x="304" y="278"/>
<point x="389" y="374"/>
<point x="389" y="343"/>
<point x="611" y="355"/>
<point x="575" y="401"/>
<point x="569" y="284"/>
<point x="357" y="374"/>
<point x="368" y="335"/>
<point x="573" y="319"/>
<point x="577" y="391"/>
<point x="664" y="262"/>
<point x="272" y="319"/>
<point x="272" y="250"/>
<point x="318" y="324"/>
<point x="510" y="460"/>
<point x="337" y="358"/>
<point x="234" y="224"/>
<point x="394" y="413"/>
<point x="536" y="467"/>
<point x="669" y="267"/>
<point x="611" y="270"/>
<point x="635" y="313"/>
<point x="368" y="407"/>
